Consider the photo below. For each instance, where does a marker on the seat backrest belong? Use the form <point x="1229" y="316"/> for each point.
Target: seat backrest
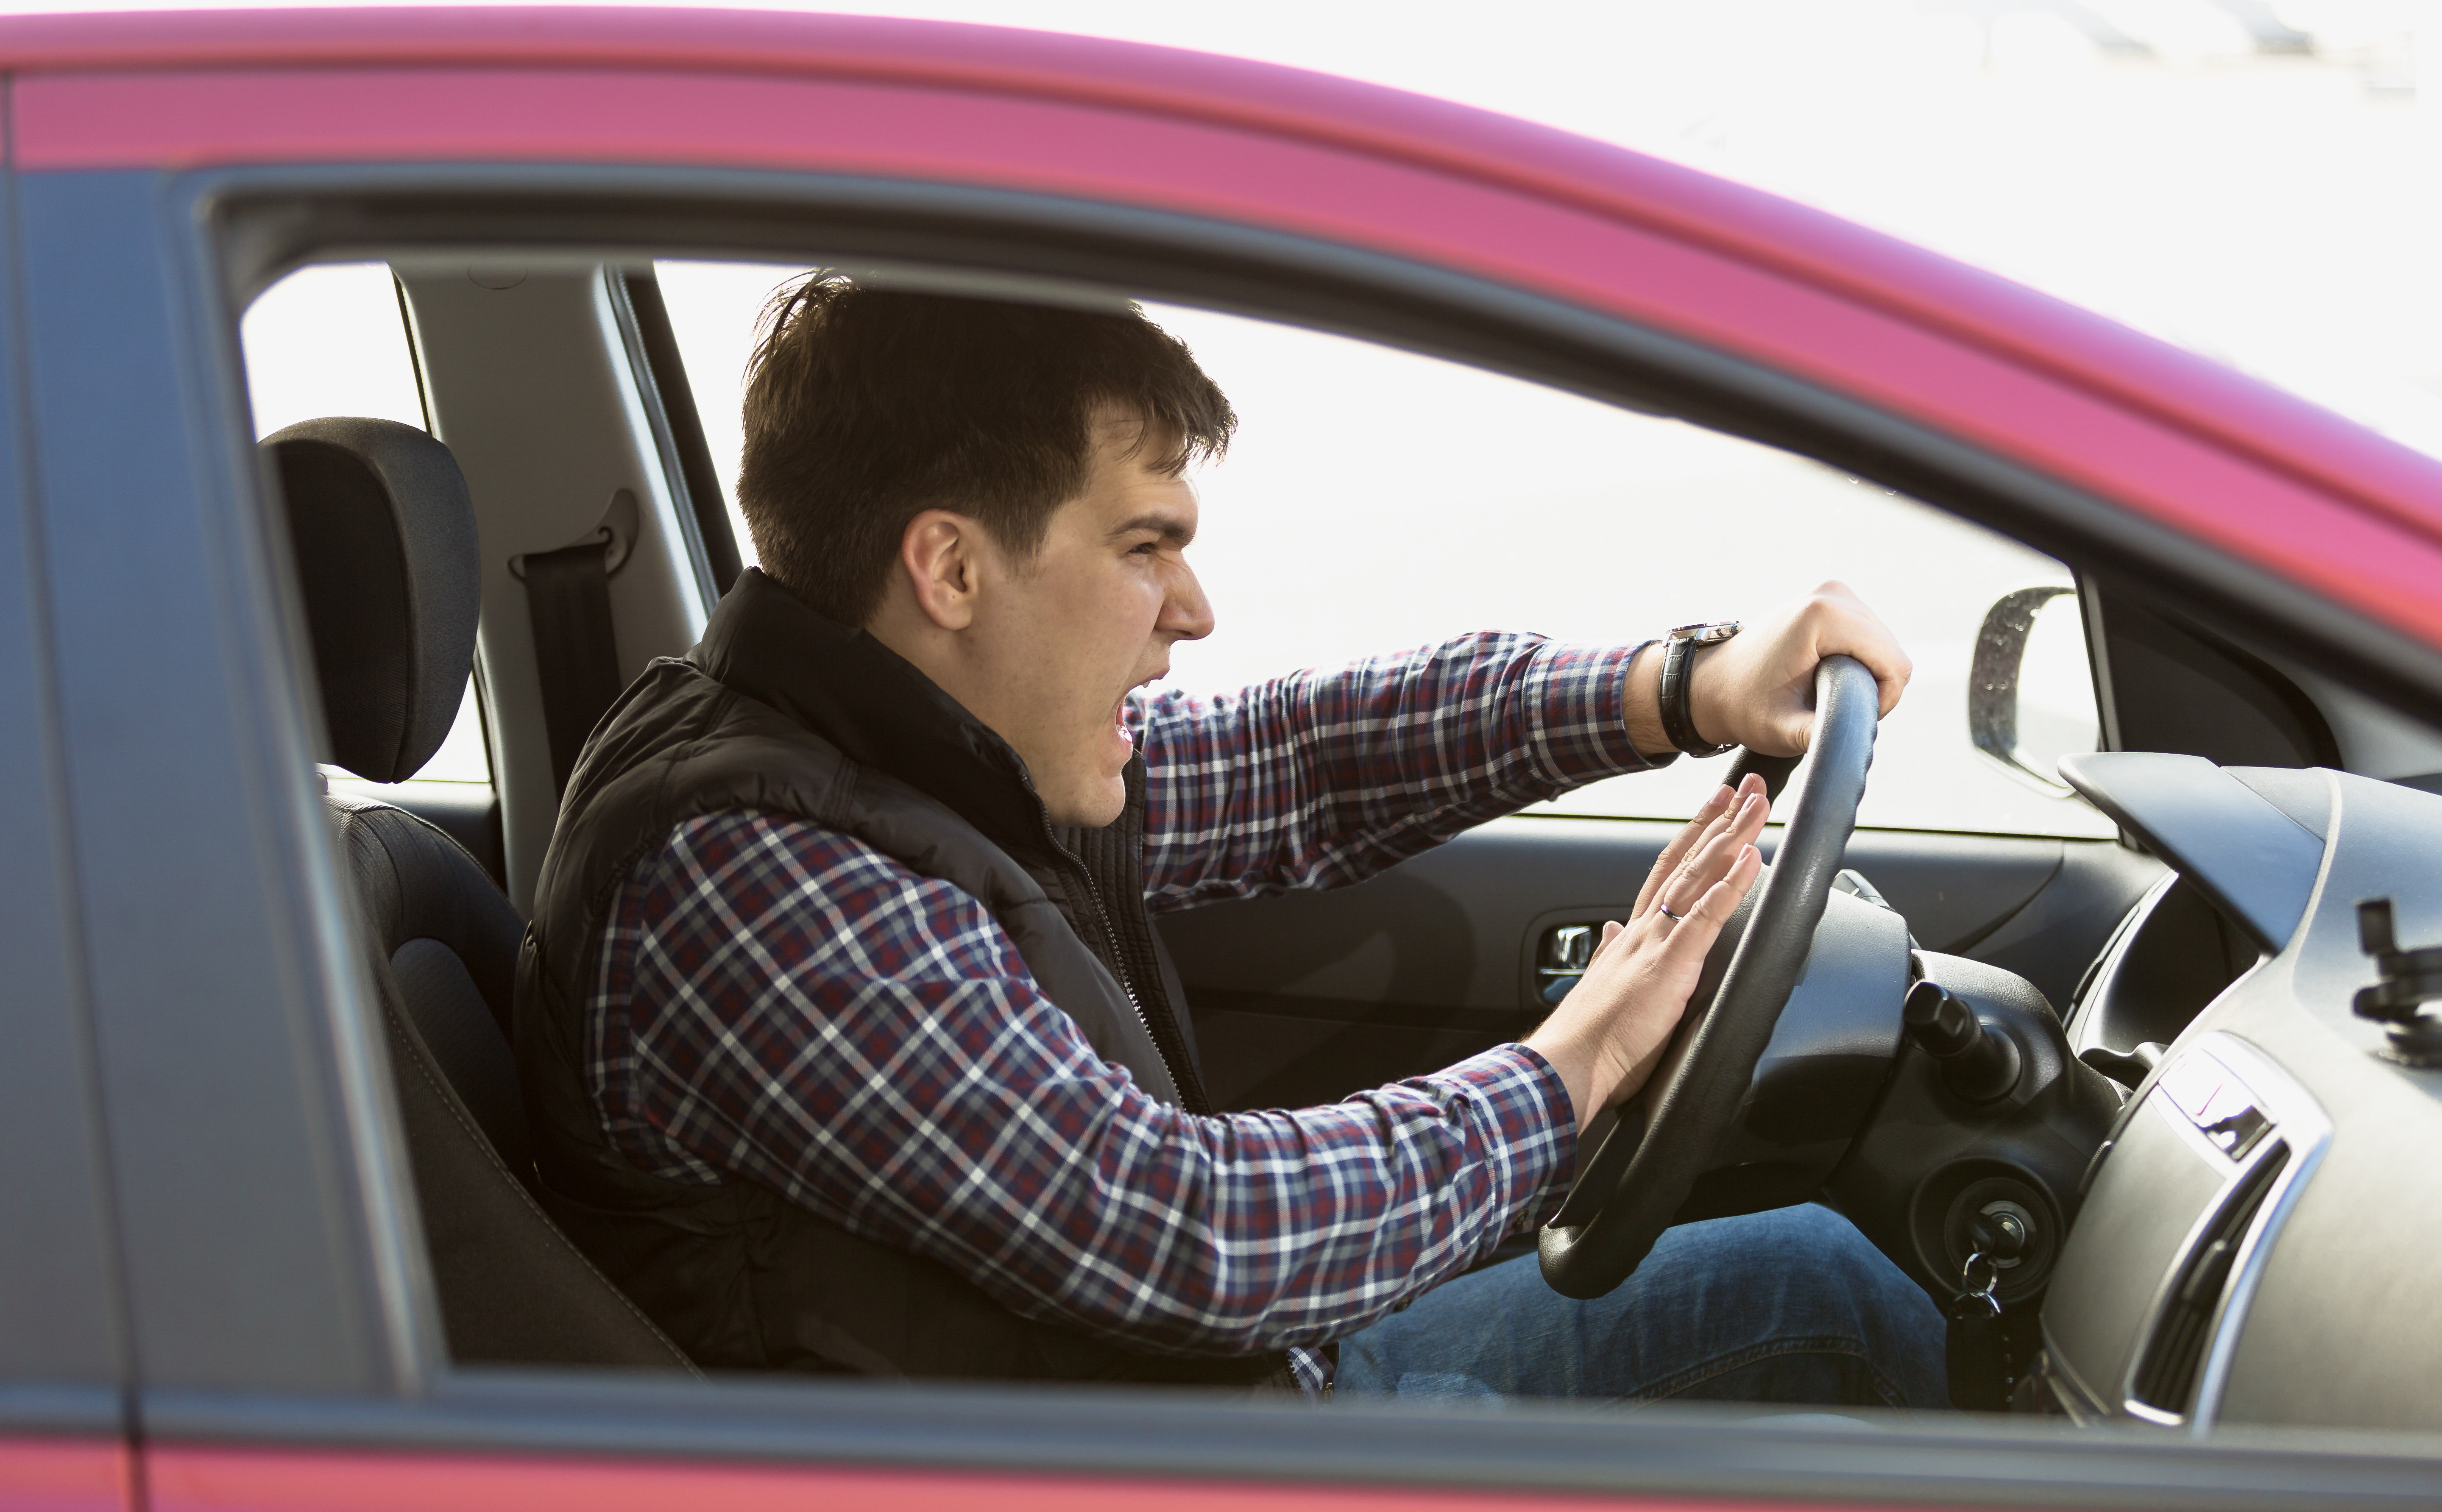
<point x="385" y="544"/>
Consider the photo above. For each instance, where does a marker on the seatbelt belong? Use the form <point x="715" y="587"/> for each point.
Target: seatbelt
<point x="568" y="598"/>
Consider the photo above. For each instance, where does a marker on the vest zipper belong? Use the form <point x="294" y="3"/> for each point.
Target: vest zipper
<point x="1191" y="1091"/>
<point x="1119" y="968"/>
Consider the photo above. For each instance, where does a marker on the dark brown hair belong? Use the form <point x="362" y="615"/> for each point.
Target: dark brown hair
<point x="866" y="407"/>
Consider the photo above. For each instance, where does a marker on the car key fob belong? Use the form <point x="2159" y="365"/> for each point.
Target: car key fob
<point x="1979" y="1367"/>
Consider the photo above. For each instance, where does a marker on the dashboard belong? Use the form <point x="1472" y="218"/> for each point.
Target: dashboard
<point x="2254" y="1235"/>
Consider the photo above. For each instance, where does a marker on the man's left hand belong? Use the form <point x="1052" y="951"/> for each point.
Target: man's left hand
<point x="1757" y="689"/>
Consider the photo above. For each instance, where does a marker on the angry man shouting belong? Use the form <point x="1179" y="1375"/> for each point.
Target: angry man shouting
<point x="849" y="1039"/>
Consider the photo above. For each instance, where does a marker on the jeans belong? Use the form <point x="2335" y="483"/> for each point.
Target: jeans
<point x="1791" y="1305"/>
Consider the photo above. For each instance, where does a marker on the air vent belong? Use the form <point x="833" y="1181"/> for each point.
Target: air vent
<point x="2167" y="1377"/>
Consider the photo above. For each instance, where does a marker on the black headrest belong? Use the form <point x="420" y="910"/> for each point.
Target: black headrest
<point x="385" y="540"/>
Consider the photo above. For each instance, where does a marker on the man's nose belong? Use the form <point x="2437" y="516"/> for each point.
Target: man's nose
<point x="1186" y="613"/>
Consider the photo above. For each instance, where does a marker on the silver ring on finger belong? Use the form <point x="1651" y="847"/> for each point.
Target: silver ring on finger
<point x="1663" y="909"/>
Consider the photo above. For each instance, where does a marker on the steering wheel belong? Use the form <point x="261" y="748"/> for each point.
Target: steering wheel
<point x="1644" y="1167"/>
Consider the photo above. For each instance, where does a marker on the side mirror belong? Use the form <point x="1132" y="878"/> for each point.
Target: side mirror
<point x="2031" y="690"/>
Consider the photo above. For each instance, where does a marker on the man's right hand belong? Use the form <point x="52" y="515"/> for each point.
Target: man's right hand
<point x="1607" y="1035"/>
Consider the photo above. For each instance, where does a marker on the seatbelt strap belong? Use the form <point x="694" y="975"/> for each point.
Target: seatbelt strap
<point x="567" y="598"/>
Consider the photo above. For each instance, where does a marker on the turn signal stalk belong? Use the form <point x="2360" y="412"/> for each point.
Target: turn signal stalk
<point x="1979" y="1062"/>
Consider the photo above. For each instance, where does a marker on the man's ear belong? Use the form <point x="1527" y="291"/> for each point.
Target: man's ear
<point x="938" y="560"/>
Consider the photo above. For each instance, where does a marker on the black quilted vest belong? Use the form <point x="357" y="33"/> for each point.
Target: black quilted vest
<point x="782" y="709"/>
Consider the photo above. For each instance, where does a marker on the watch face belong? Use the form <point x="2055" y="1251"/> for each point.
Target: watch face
<point x="1706" y="634"/>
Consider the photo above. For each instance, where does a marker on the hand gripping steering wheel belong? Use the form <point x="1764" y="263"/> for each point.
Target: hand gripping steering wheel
<point x="1648" y="1164"/>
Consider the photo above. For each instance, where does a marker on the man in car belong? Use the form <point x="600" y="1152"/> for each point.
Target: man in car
<point x="849" y="1038"/>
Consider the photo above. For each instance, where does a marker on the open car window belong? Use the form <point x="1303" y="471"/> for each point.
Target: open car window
<point x="1375" y="500"/>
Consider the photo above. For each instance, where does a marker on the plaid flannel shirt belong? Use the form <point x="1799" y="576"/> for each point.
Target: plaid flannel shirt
<point x="782" y="1003"/>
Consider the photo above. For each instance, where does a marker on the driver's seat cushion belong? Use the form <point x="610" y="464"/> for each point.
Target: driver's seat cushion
<point x="513" y="1290"/>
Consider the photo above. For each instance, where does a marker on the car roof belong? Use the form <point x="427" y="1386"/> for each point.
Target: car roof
<point x="1723" y="263"/>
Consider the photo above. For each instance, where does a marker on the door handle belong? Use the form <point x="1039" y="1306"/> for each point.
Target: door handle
<point x="1561" y="959"/>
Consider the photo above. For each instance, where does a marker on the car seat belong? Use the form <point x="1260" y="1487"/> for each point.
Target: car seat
<point x="385" y="544"/>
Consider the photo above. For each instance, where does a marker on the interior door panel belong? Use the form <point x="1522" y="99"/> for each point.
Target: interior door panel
<point x="1305" y="997"/>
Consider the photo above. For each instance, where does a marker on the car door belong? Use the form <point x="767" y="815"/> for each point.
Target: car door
<point x="279" y="1312"/>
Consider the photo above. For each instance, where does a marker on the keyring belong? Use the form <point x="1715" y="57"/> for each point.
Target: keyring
<point x="1968" y="1286"/>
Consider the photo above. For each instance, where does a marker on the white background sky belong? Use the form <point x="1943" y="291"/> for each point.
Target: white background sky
<point x="2259" y="181"/>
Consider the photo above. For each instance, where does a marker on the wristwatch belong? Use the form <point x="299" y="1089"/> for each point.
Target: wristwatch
<point x="1678" y="662"/>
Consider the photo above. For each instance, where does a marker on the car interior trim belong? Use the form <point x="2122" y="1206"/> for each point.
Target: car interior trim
<point x="587" y="457"/>
<point x="2240" y="1116"/>
<point x="2220" y="1123"/>
<point x="2173" y="953"/>
<point x="2257" y="861"/>
<point x="2299" y="1122"/>
<point x="682" y="474"/>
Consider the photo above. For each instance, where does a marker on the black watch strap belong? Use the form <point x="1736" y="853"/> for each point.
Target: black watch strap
<point x="1678" y="661"/>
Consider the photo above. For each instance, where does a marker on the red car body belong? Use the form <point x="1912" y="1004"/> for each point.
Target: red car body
<point x="2174" y="443"/>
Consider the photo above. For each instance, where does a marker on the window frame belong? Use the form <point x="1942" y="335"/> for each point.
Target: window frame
<point x="63" y="1327"/>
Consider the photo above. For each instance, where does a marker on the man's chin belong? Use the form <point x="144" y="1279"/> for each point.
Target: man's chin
<point x="1090" y="807"/>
